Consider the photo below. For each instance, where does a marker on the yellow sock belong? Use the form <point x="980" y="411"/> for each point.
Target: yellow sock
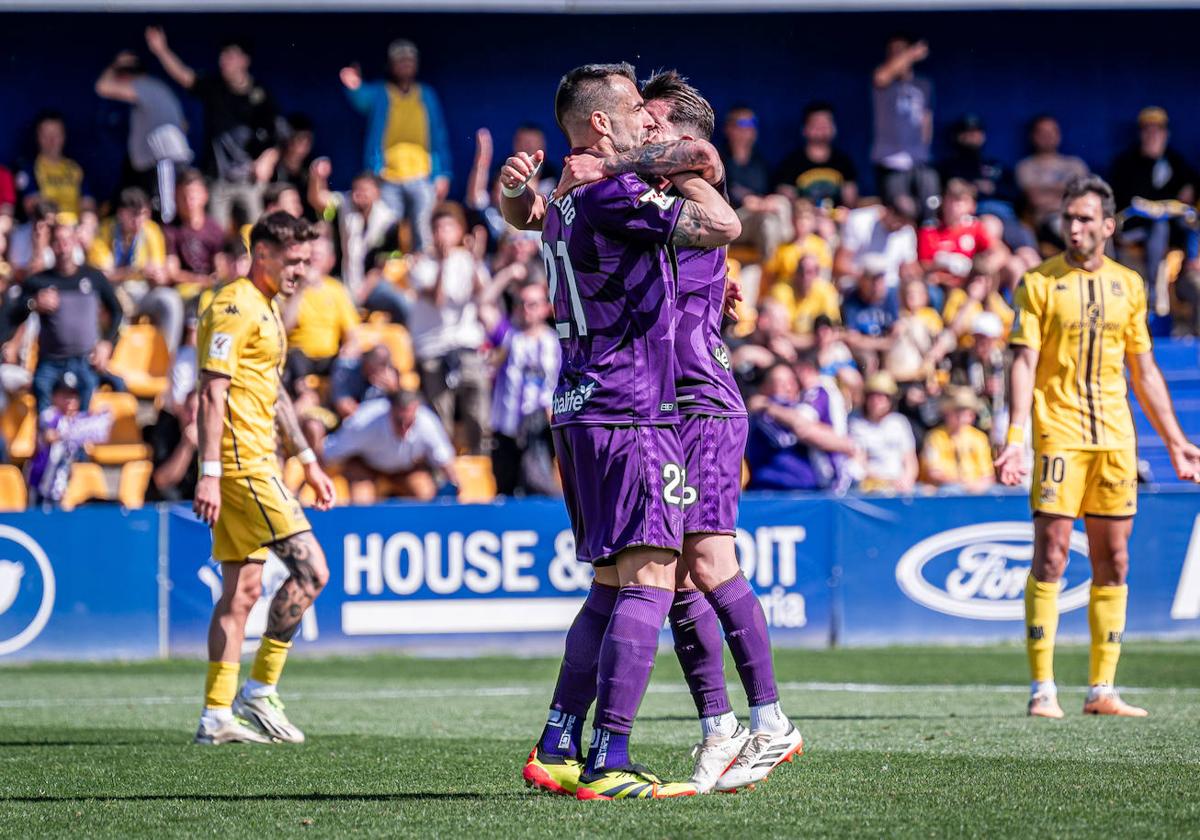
<point x="268" y="662"/>
<point x="220" y="685"/>
<point x="1106" y="618"/>
<point x="1041" y="625"/>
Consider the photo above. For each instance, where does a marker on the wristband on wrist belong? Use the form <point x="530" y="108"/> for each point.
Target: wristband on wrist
<point x="307" y="457"/>
<point x="514" y="192"/>
<point x="210" y="469"/>
<point x="1016" y="435"/>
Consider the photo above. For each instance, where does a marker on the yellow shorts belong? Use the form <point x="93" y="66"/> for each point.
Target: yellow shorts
<point x="256" y="510"/>
<point x="1084" y="482"/>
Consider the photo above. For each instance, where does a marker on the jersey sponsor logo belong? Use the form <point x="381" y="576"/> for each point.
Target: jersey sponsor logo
<point x="1061" y="287"/>
<point x="219" y="346"/>
<point x="721" y="354"/>
<point x="574" y="399"/>
<point x="666" y="407"/>
<point x="980" y="571"/>
<point x="658" y="198"/>
<point x="27" y="589"/>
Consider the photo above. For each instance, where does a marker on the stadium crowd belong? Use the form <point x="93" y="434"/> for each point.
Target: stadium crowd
<point x="871" y="343"/>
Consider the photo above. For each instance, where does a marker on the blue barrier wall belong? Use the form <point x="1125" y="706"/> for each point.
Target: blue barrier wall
<point x="102" y="583"/>
<point x="1093" y="68"/>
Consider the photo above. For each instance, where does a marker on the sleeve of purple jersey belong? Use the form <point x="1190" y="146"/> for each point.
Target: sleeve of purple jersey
<point x="626" y="207"/>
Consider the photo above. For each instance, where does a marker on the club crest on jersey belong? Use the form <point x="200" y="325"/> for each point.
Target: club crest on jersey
<point x="85" y="286"/>
<point x="658" y="198"/>
<point x="1117" y="289"/>
<point x="574" y="399"/>
<point x="721" y="354"/>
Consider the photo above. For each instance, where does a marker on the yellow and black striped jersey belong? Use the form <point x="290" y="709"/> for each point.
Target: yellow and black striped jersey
<point x="1084" y="324"/>
<point x="241" y="336"/>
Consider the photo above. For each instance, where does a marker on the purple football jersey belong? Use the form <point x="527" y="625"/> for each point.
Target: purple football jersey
<point x="705" y="383"/>
<point x="613" y="286"/>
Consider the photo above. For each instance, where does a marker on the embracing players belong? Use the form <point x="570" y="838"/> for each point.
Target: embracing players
<point x="240" y="493"/>
<point x="713" y="430"/>
<point x="1081" y="320"/>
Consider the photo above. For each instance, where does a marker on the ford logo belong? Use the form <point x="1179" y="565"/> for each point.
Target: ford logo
<point x="979" y="571"/>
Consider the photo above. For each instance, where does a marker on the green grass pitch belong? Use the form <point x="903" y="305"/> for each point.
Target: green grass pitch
<point x="900" y="742"/>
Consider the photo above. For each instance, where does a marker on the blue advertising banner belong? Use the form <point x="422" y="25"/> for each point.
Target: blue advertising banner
<point x="937" y="570"/>
<point x="80" y="585"/>
<point x="449" y="575"/>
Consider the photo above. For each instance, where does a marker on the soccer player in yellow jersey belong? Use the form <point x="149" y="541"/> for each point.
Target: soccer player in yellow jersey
<point x="1081" y="320"/>
<point x="241" y="354"/>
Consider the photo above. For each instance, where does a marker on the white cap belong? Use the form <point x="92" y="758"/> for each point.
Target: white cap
<point x="988" y="324"/>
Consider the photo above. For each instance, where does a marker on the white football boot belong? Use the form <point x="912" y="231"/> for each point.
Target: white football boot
<point x="764" y="751"/>
<point x="714" y="755"/>
<point x="267" y="715"/>
<point x="233" y="731"/>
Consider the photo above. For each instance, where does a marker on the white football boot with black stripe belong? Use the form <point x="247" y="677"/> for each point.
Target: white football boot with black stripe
<point x="763" y="753"/>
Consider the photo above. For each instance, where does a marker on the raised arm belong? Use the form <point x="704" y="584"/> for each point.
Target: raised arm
<point x="156" y="40"/>
<point x="707" y="220"/>
<point x="1010" y="464"/>
<point x="526" y="210"/>
<point x="110" y="85"/>
<point x="899" y="64"/>
<point x="1155" y="400"/>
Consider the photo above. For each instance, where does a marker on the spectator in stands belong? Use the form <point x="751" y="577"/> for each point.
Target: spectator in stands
<point x="8" y="199"/>
<point x="64" y="429"/>
<point x="770" y="344"/>
<point x="182" y="376"/>
<point x="29" y="250"/>
<point x="791" y="442"/>
<point x="483" y="185"/>
<point x="52" y="176"/>
<point x="1044" y="175"/>
<point x="362" y="225"/>
<point x="295" y="160"/>
<point x="916" y="347"/>
<point x="157" y="143"/>
<point x="241" y="123"/>
<point x="834" y="358"/>
<point x="807" y="296"/>
<point x="783" y="262"/>
<point x="903" y="106"/>
<point x="396" y="442"/>
<point x="957" y="456"/>
<point x="407" y="145"/>
<point x="527" y="359"/>
<point x="947" y="248"/>
<point x="132" y="252"/>
<point x="361" y="377"/>
<point x="995" y="189"/>
<point x="818" y="170"/>
<point x="447" y="334"/>
<point x="983" y="368"/>
<point x="886" y="440"/>
<point x="320" y="320"/>
<point x="68" y="299"/>
<point x="879" y="231"/>
<point x="870" y="309"/>
<point x="196" y="240"/>
<point x="746" y="172"/>
<point x="980" y="293"/>
<point x="1153" y="171"/>
<point x="173" y="440"/>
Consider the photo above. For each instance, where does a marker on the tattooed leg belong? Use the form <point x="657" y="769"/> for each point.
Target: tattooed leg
<point x="303" y="556"/>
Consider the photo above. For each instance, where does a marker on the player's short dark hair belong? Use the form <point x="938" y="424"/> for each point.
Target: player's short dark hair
<point x="281" y="229"/>
<point x="820" y="106"/>
<point x="274" y="192"/>
<point x="688" y="108"/>
<point x="1095" y="185"/>
<point x="191" y="176"/>
<point x="585" y="89"/>
<point x="133" y="198"/>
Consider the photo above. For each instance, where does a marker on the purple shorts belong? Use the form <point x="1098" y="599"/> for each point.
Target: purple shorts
<point x="713" y="448"/>
<point x="623" y="488"/>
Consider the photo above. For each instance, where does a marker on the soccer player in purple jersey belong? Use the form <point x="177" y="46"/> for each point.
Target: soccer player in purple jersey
<point x="713" y="430"/>
<point x="613" y="284"/>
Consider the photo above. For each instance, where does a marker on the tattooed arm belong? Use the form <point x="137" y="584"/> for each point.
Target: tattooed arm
<point x="707" y="220"/>
<point x="295" y="443"/>
<point x="661" y="160"/>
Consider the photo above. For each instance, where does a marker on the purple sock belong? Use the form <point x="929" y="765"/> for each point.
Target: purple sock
<point x="626" y="660"/>
<point x="701" y="651"/>
<point x="745" y="625"/>
<point x="576" y="686"/>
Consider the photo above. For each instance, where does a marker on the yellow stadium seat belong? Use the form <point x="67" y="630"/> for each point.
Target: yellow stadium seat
<point x="19" y="426"/>
<point x="393" y="336"/>
<point x="14" y="495"/>
<point x="86" y="483"/>
<point x="476" y="481"/>
<point x="125" y="441"/>
<point x="132" y="485"/>
<point x="142" y="359"/>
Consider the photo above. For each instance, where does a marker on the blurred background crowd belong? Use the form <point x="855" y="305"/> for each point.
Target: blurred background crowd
<point x="871" y="345"/>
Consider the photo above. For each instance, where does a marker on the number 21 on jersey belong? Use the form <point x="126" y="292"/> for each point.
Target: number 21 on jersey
<point x="556" y="258"/>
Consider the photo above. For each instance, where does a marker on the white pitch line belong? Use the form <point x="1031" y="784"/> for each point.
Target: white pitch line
<point x="527" y="691"/>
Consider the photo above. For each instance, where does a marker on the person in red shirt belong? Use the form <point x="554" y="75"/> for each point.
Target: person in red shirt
<point x="8" y="197"/>
<point x="946" y="249"/>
